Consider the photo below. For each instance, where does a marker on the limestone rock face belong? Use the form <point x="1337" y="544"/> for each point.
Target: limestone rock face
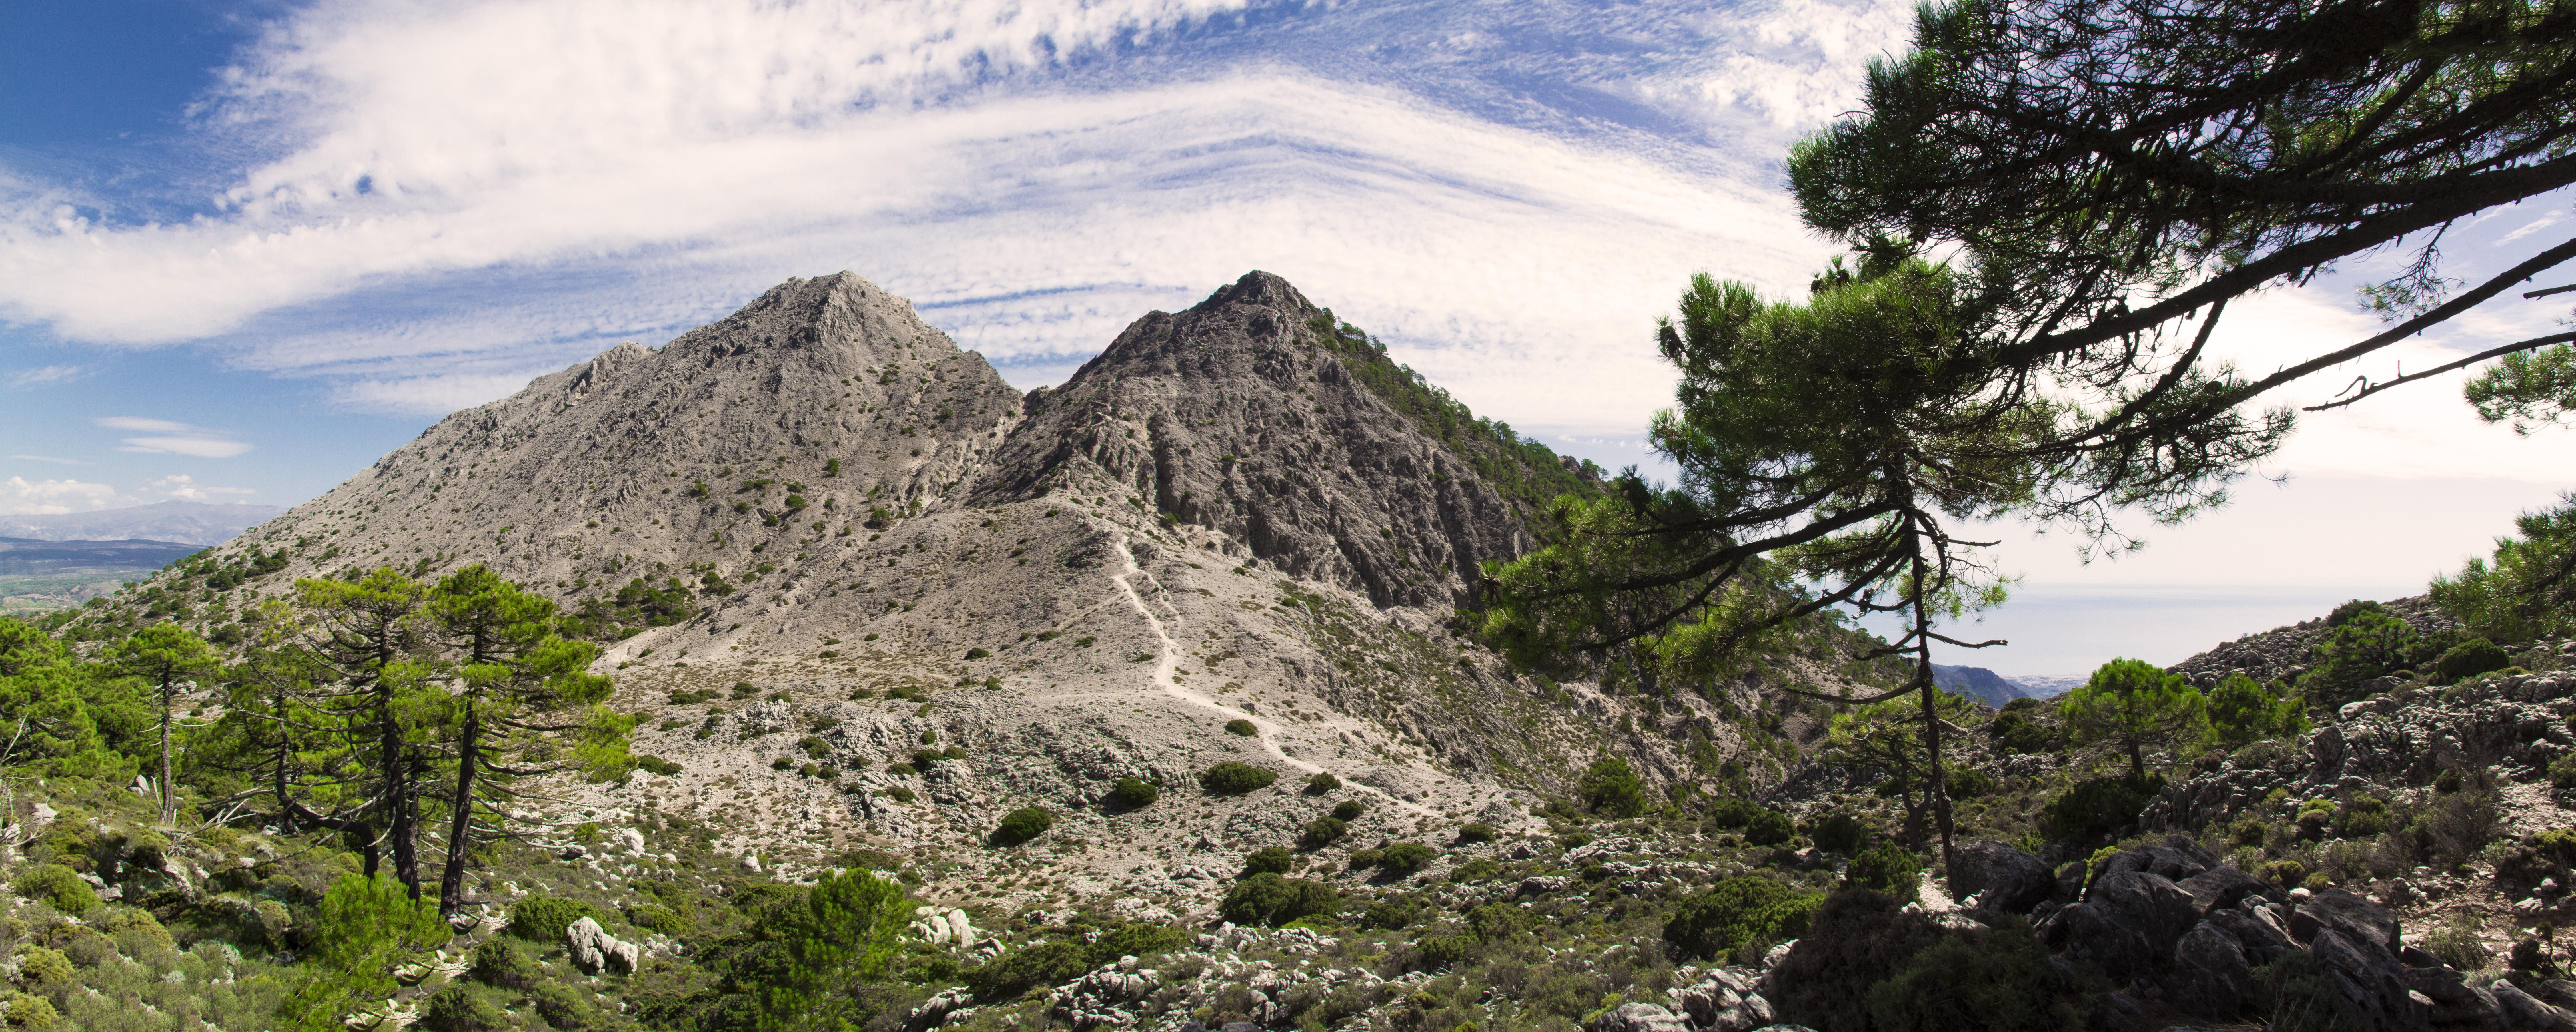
<point x="2002" y="878"/>
<point x="1252" y="414"/>
<point x="594" y="950"/>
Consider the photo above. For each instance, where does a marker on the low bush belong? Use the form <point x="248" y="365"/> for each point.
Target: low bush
<point x="1478" y="831"/>
<point x="1743" y="910"/>
<point x="1348" y="810"/>
<point x="1390" y="914"/>
<point x="2097" y="808"/>
<point x="1406" y="857"/>
<point x="1269" y="899"/>
<point x="2471" y="658"/>
<point x="2362" y="817"/>
<point x="1234" y="778"/>
<point x="1972" y="783"/>
<point x="1611" y="788"/>
<point x="1240" y="726"/>
<point x="1133" y="793"/>
<point x="57" y="886"/>
<point x="1268" y="860"/>
<point x="1889" y="868"/>
<point x="1991" y="981"/>
<point x="1769" y="828"/>
<point x="1021" y="825"/>
<point x="544" y="918"/>
<point x="1324" y="831"/>
<point x="2285" y="873"/>
<point x="1007" y="977"/>
<point x="1322" y="781"/>
<point x="1839" y="832"/>
<point x="2460" y="946"/>
<point x="2562" y="771"/>
<point x="455" y="1008"/>
<point x="504" y="964"/>
<point x="1448" y="950"/>
<point x="1852" y="942"/>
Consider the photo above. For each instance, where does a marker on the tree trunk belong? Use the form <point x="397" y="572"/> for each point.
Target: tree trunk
<point x="2137" y="762"/>
<point x="169" y="802"/>
<point x="1939" y="787"/>
<point x="451" y="881"/>
<point x="397" y="795"/>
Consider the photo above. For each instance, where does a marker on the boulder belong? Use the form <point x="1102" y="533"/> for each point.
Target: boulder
<point x="2003" y="878"/>
<point x="2257" y="931"/>
<point x="2220" y="888"/>
<point x="2070" y="882"/>
<point x="594" y="950"/>
<point x="2456" y="1003"/>
<point x="2521" y="1011"/>
<point x="1639" y="1017"/>
<point x="2150" y="903"/>
<point x="2211" y="978"/>
<point x="2357" y="918"/>
<point x="2091" y="934"/>
<point x="1704" y="1001"/>
<point x="2370" y="978"/>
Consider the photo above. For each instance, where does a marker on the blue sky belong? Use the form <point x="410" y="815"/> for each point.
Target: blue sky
<point x="245" y="248"/>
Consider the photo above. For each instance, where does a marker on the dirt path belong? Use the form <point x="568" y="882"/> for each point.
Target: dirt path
<point x="1170" y="663"/>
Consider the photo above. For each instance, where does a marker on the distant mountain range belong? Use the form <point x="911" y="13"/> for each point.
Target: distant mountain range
<point x="187" y="523"/>
<point x="1995" y="689"/>
<point x="36" y="574"/>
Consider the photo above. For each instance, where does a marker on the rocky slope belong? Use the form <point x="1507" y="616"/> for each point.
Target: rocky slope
<point x="1240" y="512"/>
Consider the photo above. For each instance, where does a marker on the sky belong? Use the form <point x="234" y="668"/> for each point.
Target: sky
<point x="247" y="247"/>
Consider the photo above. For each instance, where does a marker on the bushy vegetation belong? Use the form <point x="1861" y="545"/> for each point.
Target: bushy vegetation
<point x="1133" y="793"/>
<point x="1747" y="910"/>
<point x="1267" y="898"/>
<point x="1023" y="824"/>
<point x="1232" y="777"/>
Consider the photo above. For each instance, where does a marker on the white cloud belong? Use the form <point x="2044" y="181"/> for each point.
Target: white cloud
<point x="140" y="423"/>
<point x="180" y="485"/>
<point x="201" y="447"/>
<point x="42" y="375"/>
<point x="21" y="496"/>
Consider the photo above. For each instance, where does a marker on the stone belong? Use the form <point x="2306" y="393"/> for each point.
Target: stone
<point x="2003" y="878"/>
<point x="2357" y="918"/>
<point x="2070" y="882"/>
<point x="2211" y="978"/>
<point x="2150" y="903"/>
<point x="2370" y="978"/>
<point x="2090" y="934"/>
<point x="1705" y="1000"/>
<point x="593" y="950"/>
<point x="2456" y="1003"/>
<point x="1639" y="1017"/>
<point x="2260" y="934"/>
<point x="2522" y="1011"/>
<point x="2221" y="888"/>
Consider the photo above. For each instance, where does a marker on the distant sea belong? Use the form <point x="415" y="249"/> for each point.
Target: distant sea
<point x="2065" y="630"/>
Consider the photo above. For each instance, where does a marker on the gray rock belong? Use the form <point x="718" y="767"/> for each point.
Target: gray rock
<point x="594" y="950"/>
<point x="2456" y="1003"/>
<point x="1639" y="1017"/>
<point x="2370" y="978"/>
<point x="2089" y="934"/>
<point x="2358" y="919"/>
<point x="1703" y="1002"/>
<point x="2003" y="878"/>
<point x="2211" y="978"/>
<point x="2220" y="888"/>
<point x="2159" y="910"/>
<point x="2521" y="1011"/>
<point x="2259" y="933"/>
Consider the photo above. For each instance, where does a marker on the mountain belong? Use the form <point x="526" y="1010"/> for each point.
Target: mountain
<point x="824" y="511"/>
<point x="1977" y="683"/>
<point x="190" y="523"/>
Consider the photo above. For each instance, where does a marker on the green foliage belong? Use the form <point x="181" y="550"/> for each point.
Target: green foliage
<point x="2013" y="731"/>
<point x="2523" y="591"/>
<point x="1242" y="727"/>
<point x="1478" y="831"/>
<point x="2097" y="807"/>
<point x="1271" y="900"/>
<point x="1023" y="824"/>
<point x="1268" y="860"/>
<point x="1405" y="857"/>
<point x="542" y="919"/>
<point x="1348" y="810"/>
<point x="2471" y="658"/>
<point x="1839" y="832"/>
<point x="1014" y="973"/>
<point x="1769" y="828"/>
<point x="2362" y="817"/>
<point x="1324" y="831"/>
<point x="1888" y="868"/>
<point x="504" y="964"/>
<point x="2368" y="644"/>
<point x="1321" y="782"/>
<point x="1133" y="793"/>
<point x="366" y="929"/>
<point x="1231" y="777"/>
<point x="2242" y="711"/>
<point x="455" y="1008"/>
<point x="2134" y="706"/>
<point x="57" y="886"/>
<point x="842" y="935"/>
<point x="1610" y="788"/>
<point x="1998" y="980"/>
<point x="1746" y="909"/>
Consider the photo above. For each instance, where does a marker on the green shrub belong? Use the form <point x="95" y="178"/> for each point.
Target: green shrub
<point x="1366" y="858"/>
<point x="1478" y="831"/>
<point x="1745" y="909"/>
<point x="1888" y="868"/>
<point x="978" y="653"/>
<point x="1971" y="783"/>
<point x="2243" y="711"/>
<point x="1348" y="810"/>
<point x="504" y="964"/>
<point x="455" y="1008"/>
<point x="2471" y="658"/>
<point x="28" y="1010"/>
<point x="1023" y="824"/>
<point x="1769" y="828"/>
<point x="654" y="917"/>
<point x="566" y="1009"/>
<point x="2460" y="946"/>
<point x="1993" y="981"/>
<point x="1855" y="940"/>
<point x="1133" y="794"/>
<point x="2097" y="808"/>
<point x="1007" y="977"/>
<point x="1323" y="781"/>
<point x="1240" y="726"/>
<point x="1233" y="778"/>
<point x="924" y="759"/>
<point x="2362" y="817"/>
<point x="2562" y="772"/>
<point x="1390" y="914"/>
<point x="1839" y="832"/>
<point x="2249" y="832"/>
<point x="1448" y="950"/>
<point x="57" y="886"/>
<point x="1324" y="831"/>
<point x="2285" y="873"/>
<point x="1268" y="899"/>
<point x="1611" y="788"/>
<point x="1406" y="857"/>
<point x="544" y="918"/>
<point x="657" y="765"/>
<point x="2014" y="731"/>
<point x="1268" y="860"/>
